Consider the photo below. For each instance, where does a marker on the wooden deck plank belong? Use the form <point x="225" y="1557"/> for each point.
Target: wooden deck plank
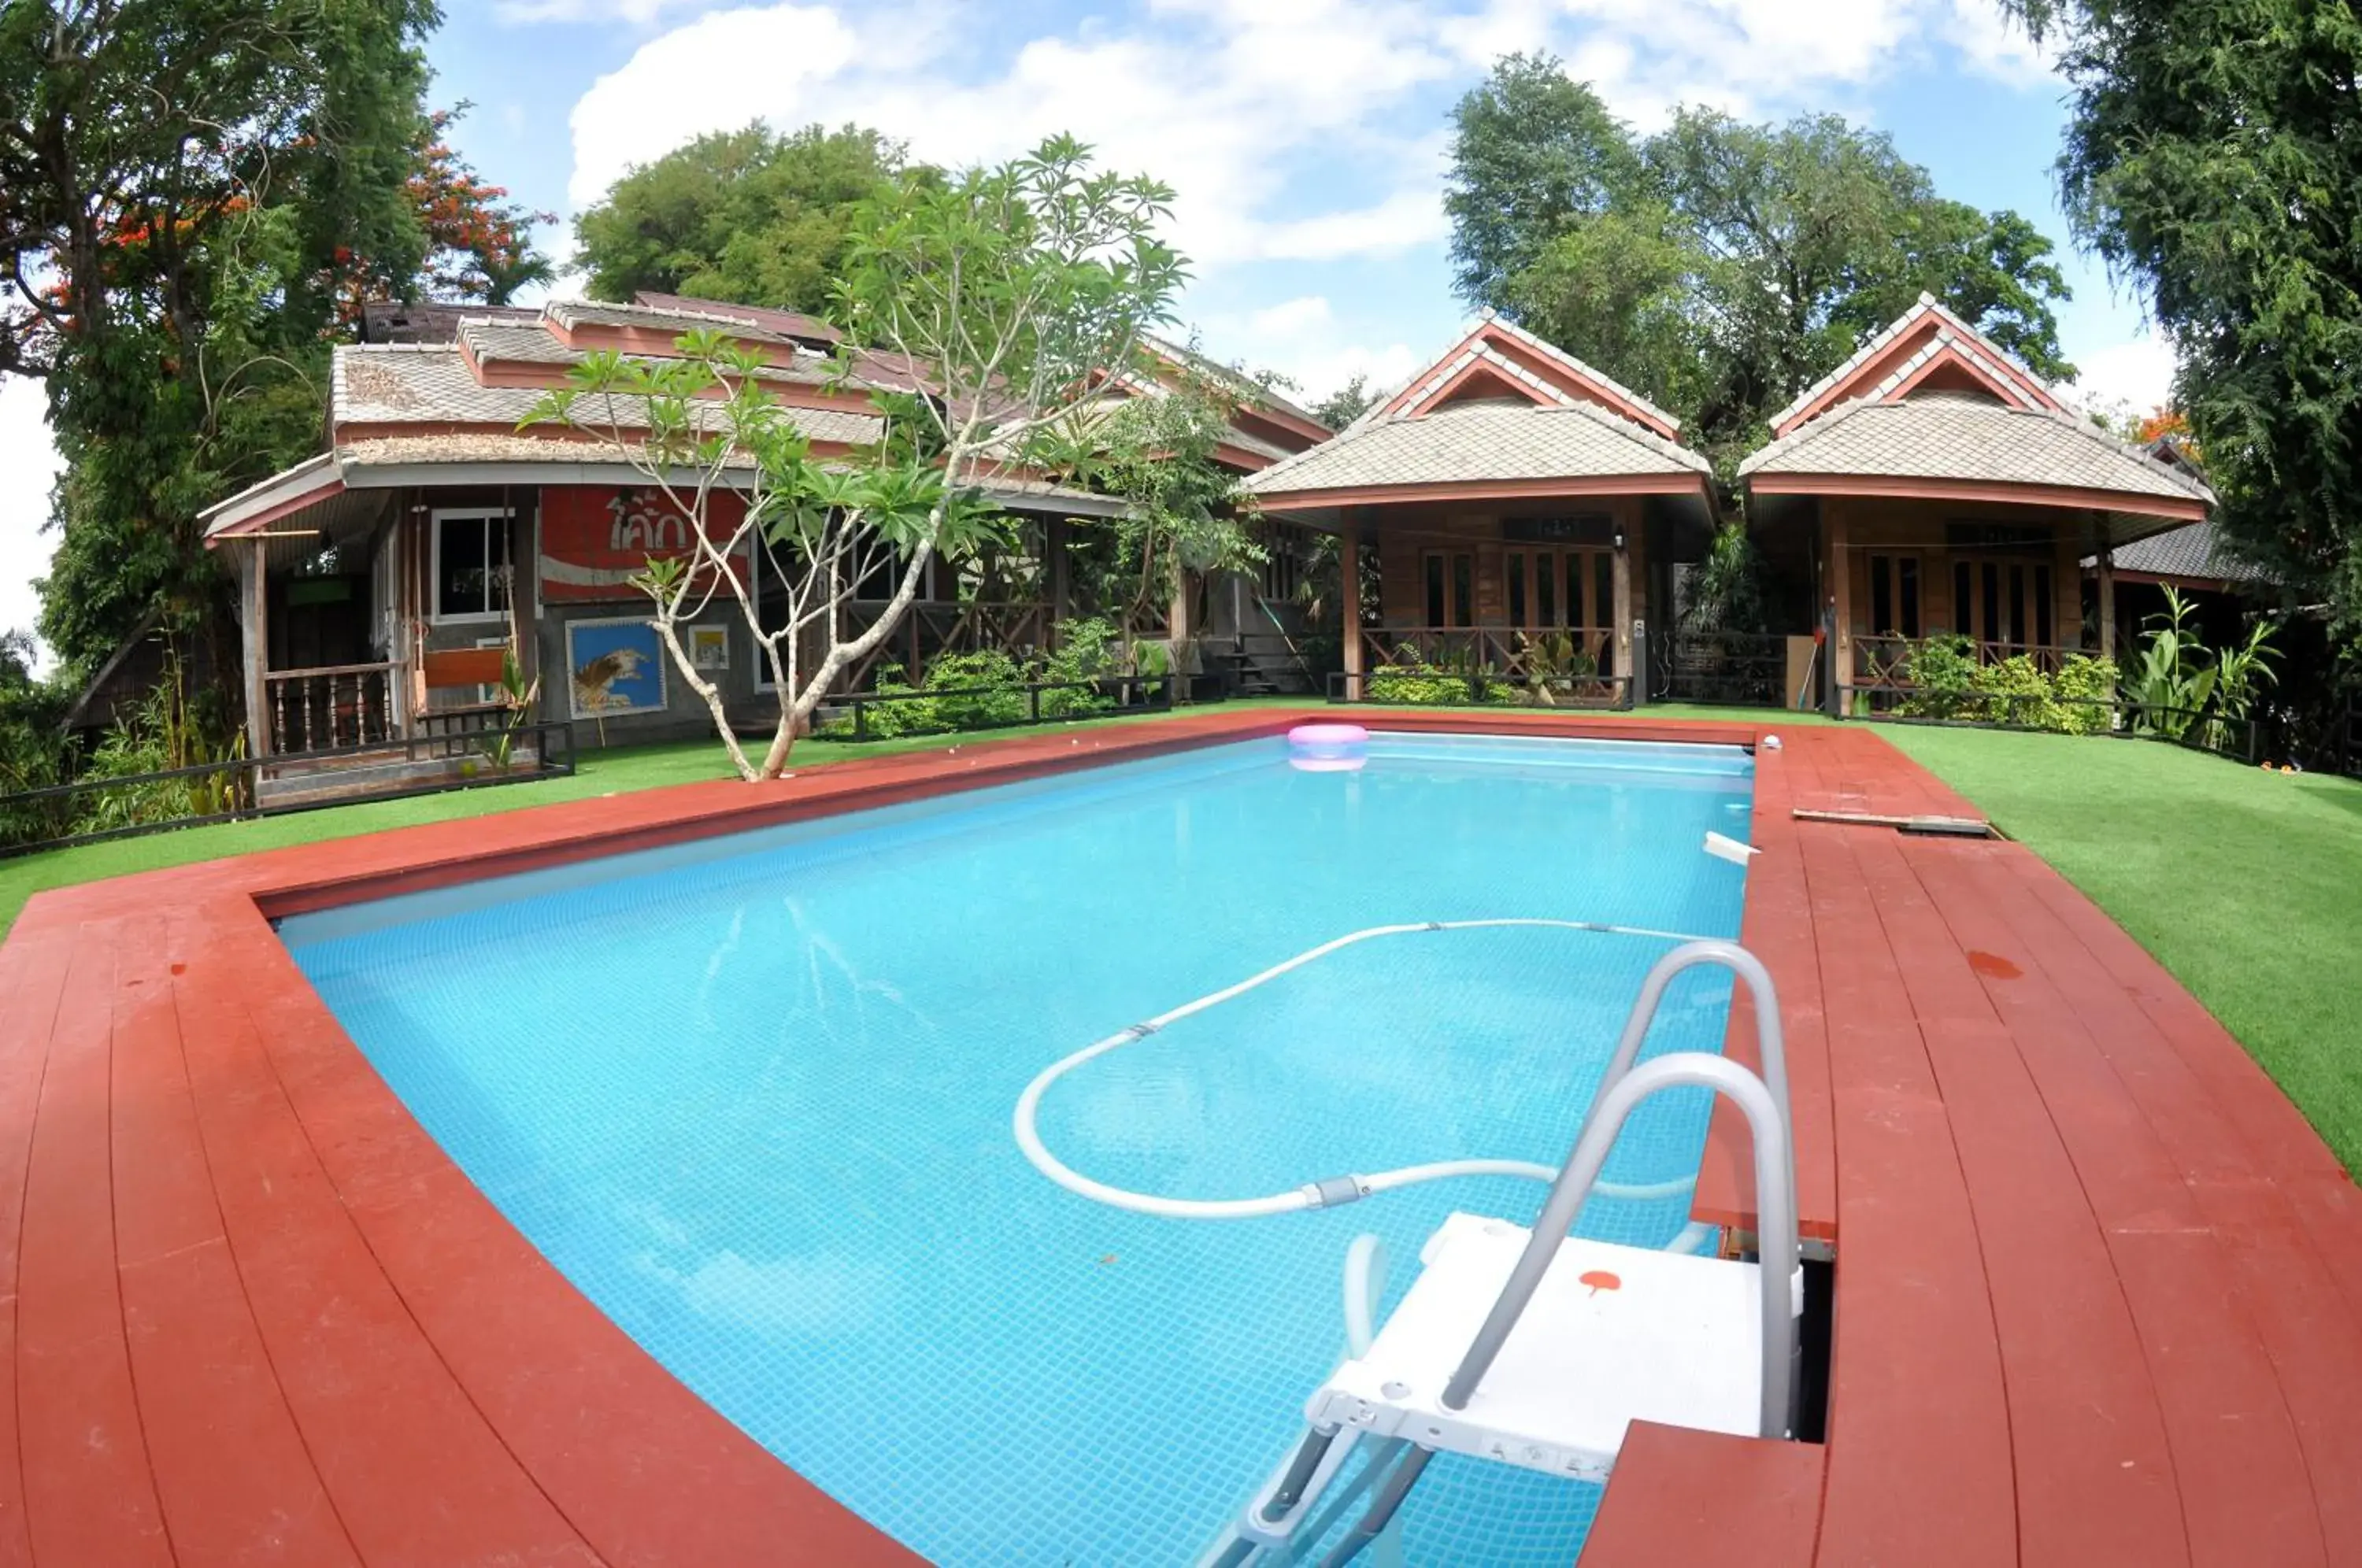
<point x="2094" y="1474"/>
<point x="412" y="1470"/>
<point x="89" y="1492"/>
<point x="2096" y="1279"/>
<point x="2226" y="1418"/>
<point x="1705" y="1500"/>
<point x="1913" y="1322"/>
<point x="1776" y="927"/>
<point x="236" y="1484"/>
<point x="2272" y="1126"/>
<point x="2304" y="1321"/>
<point x="32" y="983"/>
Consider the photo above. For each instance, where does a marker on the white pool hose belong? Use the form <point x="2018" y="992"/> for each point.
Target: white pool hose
<point x="1335" y="1189"/>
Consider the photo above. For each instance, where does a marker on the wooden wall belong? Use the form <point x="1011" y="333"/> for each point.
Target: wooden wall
<point x="1855" y="529"/>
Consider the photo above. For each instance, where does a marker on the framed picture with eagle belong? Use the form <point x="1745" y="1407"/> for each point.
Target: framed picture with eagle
<point x="616" y="667"/>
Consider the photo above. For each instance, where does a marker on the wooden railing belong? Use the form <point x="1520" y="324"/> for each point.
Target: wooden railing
<point x="1884" y="663"/>
<point x="338" y="705"/>
<point x="1502" y="650"/>
<point x="929" y="630"/>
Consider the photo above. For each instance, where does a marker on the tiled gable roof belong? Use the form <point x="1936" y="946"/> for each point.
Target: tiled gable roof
<point x="1967" y="340"/>
<point x="2192" y="551"/>
<point x="792" y="323"/>
<point x="688" y="317"/>
<point x="431" y="384"/>
<point x="1581" y="382"/>
<point x="1952" y="435"/>
<point x="1479" y="441"/>
<point x="1246" y="389"/>
<point x="1556" y="429"/>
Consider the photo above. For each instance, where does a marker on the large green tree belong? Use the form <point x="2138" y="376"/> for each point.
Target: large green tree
<point x="2214" y="154"/>
<point x="180" y="181"/>
<point x="195" y="197"/>
<point x="749" y="216"/>
<point x="1721" y="267"/>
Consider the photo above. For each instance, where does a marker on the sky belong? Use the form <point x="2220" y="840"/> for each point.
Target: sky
<point x="1305" y="139"/>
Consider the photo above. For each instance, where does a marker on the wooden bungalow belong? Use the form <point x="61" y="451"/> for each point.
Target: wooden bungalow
<point x="1510" y="491"/>
<point x="1931" y="485"/>
<point x="381" y="581"/>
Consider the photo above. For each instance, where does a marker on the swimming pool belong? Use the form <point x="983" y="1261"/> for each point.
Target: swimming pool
<point x="753" y="1096"/>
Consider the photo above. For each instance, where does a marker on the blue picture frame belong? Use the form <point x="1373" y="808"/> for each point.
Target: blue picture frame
<point x="615" y="668"/>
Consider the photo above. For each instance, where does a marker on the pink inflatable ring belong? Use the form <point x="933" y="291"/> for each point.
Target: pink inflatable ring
<point x="1327" y="749"/>
<point x="1327" y="738"/>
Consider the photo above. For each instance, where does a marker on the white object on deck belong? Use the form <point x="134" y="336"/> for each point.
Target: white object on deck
<point x="1723" y="847"/>
<point x="1612" y="1335"/>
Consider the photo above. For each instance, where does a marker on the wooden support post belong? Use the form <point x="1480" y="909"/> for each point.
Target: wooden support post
<point x="1621" y="638"/>
<point x="2107" y="588"/>
<point x="1348" y="605"/>
<point x="523" y="590"/>
<point x="1841" y="598"/>
<point x="257" y="648"/>
<point x="1060" y="571"/>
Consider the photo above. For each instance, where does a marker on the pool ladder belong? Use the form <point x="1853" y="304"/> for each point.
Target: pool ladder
<point x="1573" y="1326"/>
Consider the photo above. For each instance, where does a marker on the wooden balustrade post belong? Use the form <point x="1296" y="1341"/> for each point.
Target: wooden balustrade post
<point x="1349" y="571"/>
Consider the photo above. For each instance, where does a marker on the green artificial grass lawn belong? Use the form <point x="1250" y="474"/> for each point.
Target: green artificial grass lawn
<point x="610" y="772"/>
<point x="2246" y="885"/>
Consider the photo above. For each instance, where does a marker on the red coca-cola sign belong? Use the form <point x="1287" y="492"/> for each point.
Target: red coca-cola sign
<point x="596" y="538"/>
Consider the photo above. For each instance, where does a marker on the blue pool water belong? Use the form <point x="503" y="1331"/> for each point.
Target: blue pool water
<point x="753" y="1096"/>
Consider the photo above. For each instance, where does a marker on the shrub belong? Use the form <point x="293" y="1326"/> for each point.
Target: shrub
<point x="2015" y="690"/>
<point x="981" y="691"/>
<point x="1419" y="685"/>
<point x="1943" y="674"/>
<point x="1089" y="649"/>
<point x="2087" y="691"/>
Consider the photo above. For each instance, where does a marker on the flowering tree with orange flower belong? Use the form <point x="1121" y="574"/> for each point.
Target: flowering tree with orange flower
<point x="479" y="242"/>
<point x="191" y="193"/>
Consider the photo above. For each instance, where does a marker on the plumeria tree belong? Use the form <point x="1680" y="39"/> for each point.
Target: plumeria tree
<point x="981" y="312"/>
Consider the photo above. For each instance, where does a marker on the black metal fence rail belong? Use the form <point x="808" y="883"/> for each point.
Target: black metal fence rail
<point x="963" y="708"/>
<point x="1402" y="687"/>
<point x="57" y="817"/>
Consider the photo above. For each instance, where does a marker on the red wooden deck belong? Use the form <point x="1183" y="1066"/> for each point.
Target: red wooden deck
<point x="2099" y="1287"/>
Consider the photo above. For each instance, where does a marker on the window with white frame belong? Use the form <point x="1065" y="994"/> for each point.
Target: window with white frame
<point x="473" y="569"/>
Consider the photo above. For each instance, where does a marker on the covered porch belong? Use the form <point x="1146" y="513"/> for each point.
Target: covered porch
<point x="1552" y="595"/>
<point x="1994" y="579"/>
<point x="1934" y="491"/>
<point x="1524" y="512"/>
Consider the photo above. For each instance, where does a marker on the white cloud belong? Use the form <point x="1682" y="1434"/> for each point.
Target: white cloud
<point x="29" y="464"/>
<point x="1302" y="339"/>
<point x="1406" y="219"/>
<point x="1996" y="44"/>
<point x="2135" y="376"/>
<point x="1213" y="96"/>
<point x="636" y="11"/>
<point x="1291" y="318"/>
<point x="1290" y="129"/>
<point x="716" y="73"/>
